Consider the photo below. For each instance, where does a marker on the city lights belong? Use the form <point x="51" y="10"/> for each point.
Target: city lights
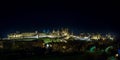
<point x="64" y="33"/>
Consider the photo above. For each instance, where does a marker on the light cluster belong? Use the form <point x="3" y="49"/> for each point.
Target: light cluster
<point x="63" y="34"/>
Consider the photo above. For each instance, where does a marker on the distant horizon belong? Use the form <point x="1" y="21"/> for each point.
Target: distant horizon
<point x="74" y="30"/>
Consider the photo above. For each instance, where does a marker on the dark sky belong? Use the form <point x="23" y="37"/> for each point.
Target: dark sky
<point x="90" y="16"/>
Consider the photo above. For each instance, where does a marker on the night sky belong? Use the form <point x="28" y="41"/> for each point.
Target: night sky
<point x="31" y="16"/>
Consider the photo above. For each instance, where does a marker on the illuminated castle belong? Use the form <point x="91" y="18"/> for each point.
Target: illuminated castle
<point x="58" y="34"/>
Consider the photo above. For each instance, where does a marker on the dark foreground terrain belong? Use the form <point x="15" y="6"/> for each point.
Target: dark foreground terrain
<point x="55" y="56"/>
<point x="72" y="50"/>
